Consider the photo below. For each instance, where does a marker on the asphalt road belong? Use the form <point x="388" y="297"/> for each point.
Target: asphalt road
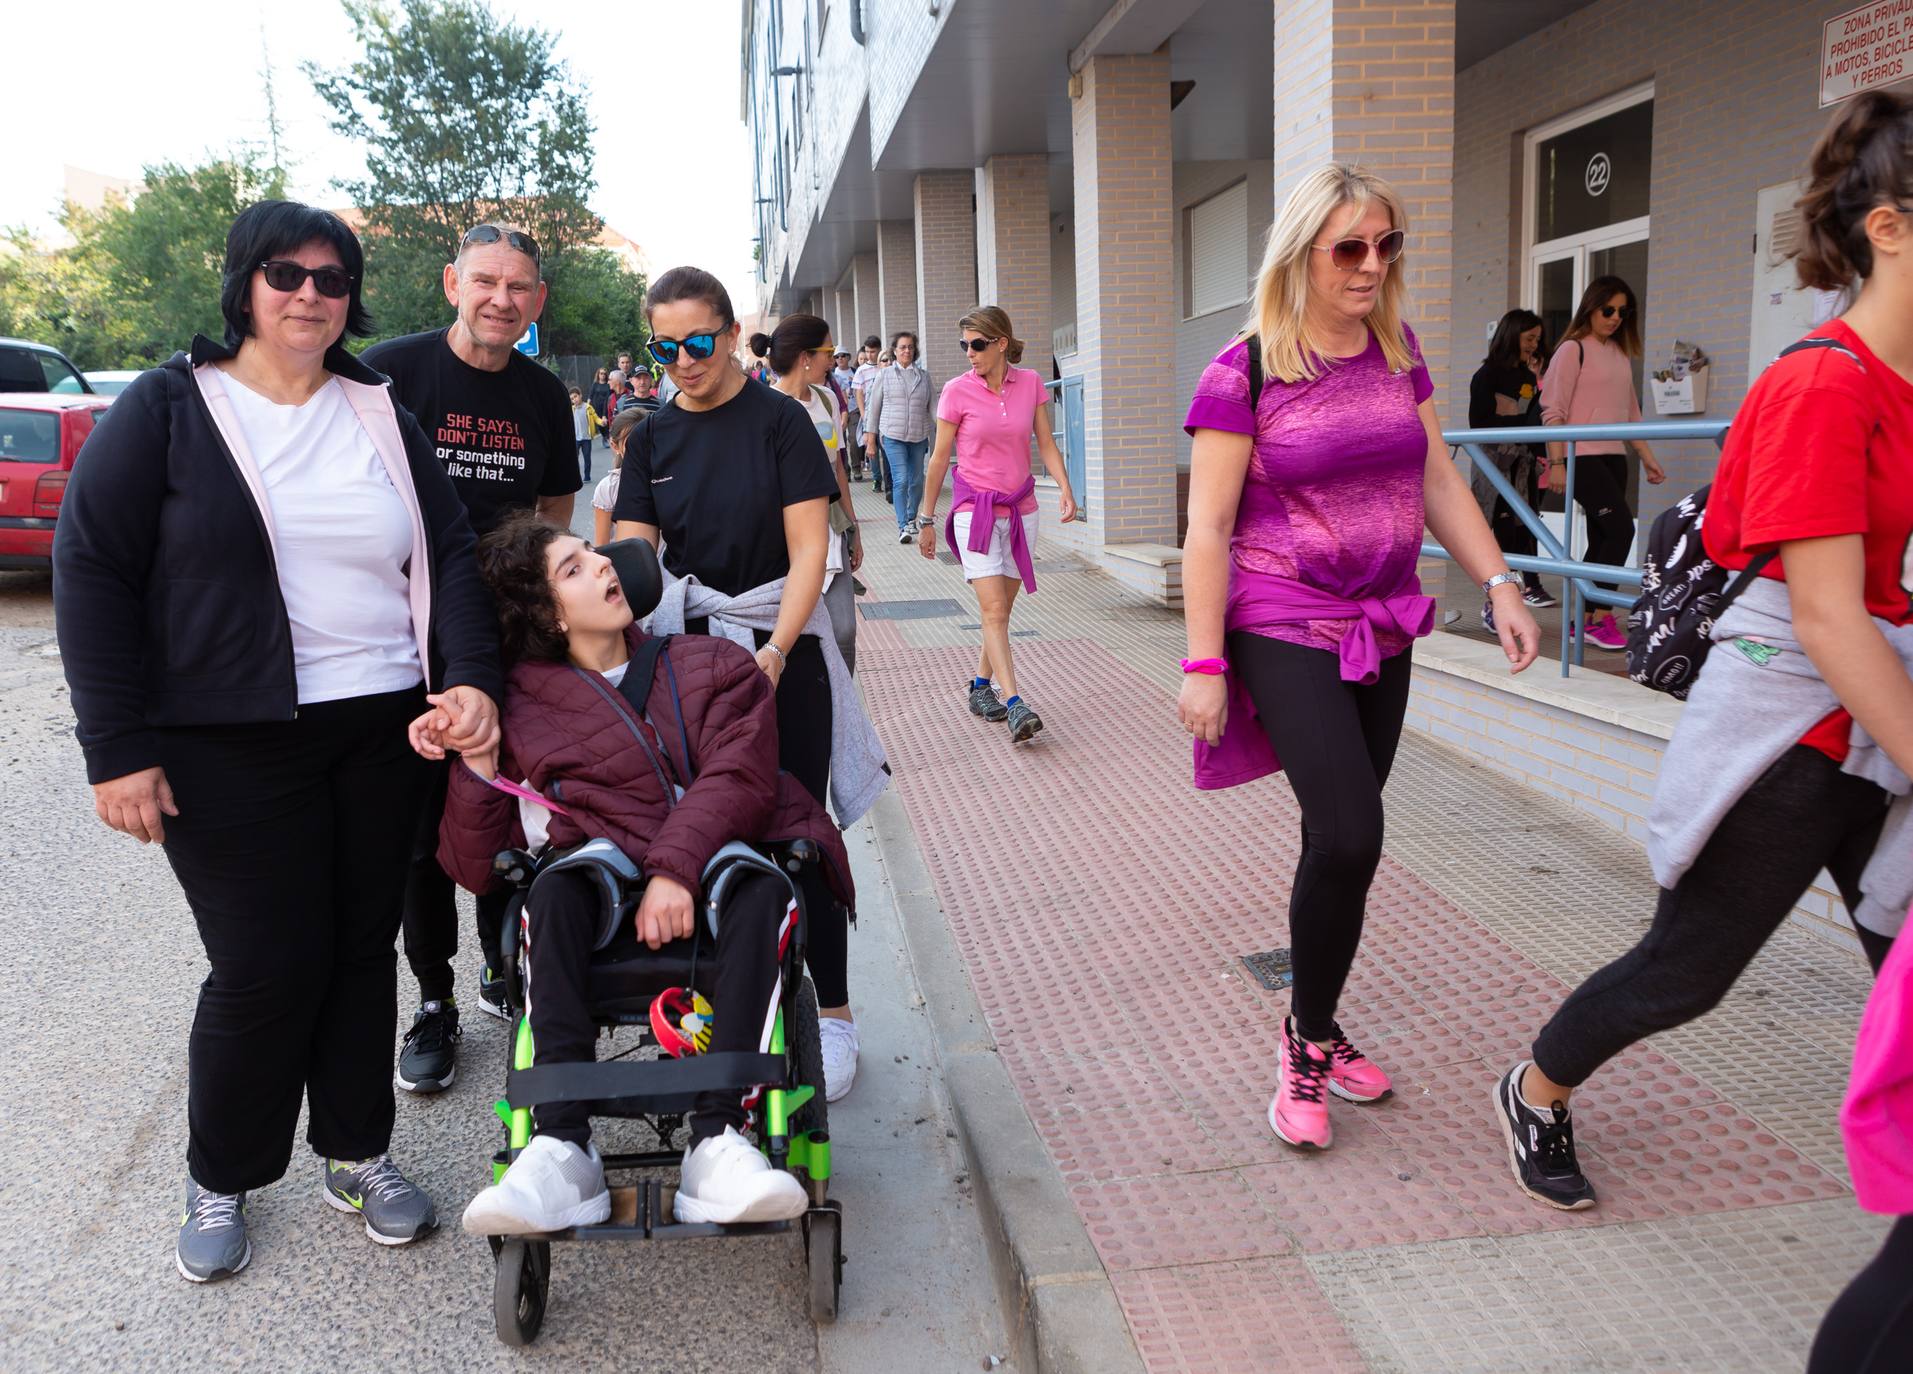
<point x="102" y="965"/>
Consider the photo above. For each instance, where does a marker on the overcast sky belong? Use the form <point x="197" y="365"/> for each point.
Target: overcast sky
<point x="181" y="82"/>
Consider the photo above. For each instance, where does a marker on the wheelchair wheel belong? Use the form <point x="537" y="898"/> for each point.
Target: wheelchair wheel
<point x="824" y="1255"/>
<point x="521" y="1282"/>
<point x="807" y="1050"/>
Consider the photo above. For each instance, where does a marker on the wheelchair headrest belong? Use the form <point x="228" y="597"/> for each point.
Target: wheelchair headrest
<point x="636" y="564"/>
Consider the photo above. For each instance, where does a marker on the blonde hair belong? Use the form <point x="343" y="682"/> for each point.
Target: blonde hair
<point x="992" y="323"/>
<point x="1279" y="310"/>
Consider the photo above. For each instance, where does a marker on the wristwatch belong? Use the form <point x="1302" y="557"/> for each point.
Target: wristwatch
<point x="1497" y="580"/>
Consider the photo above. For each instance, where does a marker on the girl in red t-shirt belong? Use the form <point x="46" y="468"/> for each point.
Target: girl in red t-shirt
<point x="1819" y="466"/>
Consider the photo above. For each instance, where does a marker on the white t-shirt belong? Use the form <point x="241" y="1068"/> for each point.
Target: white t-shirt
<point x="604" y="496"/>
<point x="342" y="539"/>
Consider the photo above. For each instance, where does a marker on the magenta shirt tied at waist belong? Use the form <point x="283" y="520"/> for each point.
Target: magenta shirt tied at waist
<point x="985" y="506"/>
<point x="1329" y="527"/>
<point x="1259" y="603"/>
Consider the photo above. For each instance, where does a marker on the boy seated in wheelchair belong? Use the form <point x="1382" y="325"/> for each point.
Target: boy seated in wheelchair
<point x="571" y="738"/>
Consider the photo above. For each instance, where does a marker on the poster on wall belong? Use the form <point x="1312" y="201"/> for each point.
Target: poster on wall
<point x="1867" y="47"/>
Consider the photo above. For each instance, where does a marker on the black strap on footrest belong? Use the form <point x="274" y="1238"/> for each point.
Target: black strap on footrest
<point x="730" y="1071"/>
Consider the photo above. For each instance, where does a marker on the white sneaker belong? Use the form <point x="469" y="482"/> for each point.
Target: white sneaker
<point x="840" y="1055"/>
<point x="552" y="1185"/>
<point x="726" y="1179"/>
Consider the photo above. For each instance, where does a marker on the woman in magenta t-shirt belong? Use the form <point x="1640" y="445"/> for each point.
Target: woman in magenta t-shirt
<point x="987" y="416"/>
<point x="1306" y="510"/>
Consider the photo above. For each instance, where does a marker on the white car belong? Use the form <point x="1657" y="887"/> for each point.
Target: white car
<point x="111" y="384"/>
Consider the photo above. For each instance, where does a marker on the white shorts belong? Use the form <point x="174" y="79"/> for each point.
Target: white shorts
<point x="997" y="561"/>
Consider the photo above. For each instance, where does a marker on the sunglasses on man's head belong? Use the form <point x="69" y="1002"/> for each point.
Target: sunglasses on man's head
<point x="1351" y="254"/>
<point x="698" y="346"/>
<point x="1608" y="312"/>
<point x="282" y="275"/>
<point x="974" y="345"/>
<point x="491" y="233"/>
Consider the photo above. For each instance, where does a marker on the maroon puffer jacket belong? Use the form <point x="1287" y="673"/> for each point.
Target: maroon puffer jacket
<point x="575" y="738"/>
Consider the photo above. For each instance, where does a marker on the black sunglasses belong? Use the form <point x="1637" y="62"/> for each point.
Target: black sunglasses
<point x="282" y="275"/>
<point x="1350" y="254"/>
<point x="1608" y="312"/>
<point x="699" y="346"/>
<point x="491" y="233"/>
<point x="974" y="345"/>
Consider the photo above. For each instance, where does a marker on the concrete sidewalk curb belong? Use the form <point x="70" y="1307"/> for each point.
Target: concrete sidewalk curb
<point x="1067" y="1319"/>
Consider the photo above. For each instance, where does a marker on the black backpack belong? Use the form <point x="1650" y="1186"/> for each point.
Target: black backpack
<point x="1683" y="591"/>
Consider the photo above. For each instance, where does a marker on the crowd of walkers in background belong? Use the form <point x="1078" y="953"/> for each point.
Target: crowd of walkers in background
<point x="318" y="718"/>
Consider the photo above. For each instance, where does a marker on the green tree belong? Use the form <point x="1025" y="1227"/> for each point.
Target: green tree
<point x="596" y="305"/>
<point x="463" y="118"/>
<point x="140" y="278"/>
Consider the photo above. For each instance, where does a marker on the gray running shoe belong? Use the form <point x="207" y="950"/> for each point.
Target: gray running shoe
<point x="984" y="702"/>
<point x="1024" y="722"/>
<point x="395" y="1209"/>
<point x="212" y="1235"/>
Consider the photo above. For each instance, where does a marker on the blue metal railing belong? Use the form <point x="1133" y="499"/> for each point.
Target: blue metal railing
<point x="1066" y="427"/>
<point x="1580" y="577"/>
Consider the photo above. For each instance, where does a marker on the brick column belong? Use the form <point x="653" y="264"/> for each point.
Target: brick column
<point x="946" y="266"/>
<point x="864" y="308"/>
<point x="896" y="277"/>
<point x="1373" y="82"/>
<point x="1125" y="297"/>
<point x="1012" y="248"/>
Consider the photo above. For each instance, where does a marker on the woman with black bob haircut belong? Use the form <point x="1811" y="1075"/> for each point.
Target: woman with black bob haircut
<point x="736" y="483"/>
<point x="260" y="571"/>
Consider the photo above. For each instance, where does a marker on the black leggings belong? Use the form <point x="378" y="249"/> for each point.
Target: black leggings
<point x="564" y="910"/>
<point x="803" y="751"/>
<point x="291" y="843"/>
<point x="1869" y="1328"/>
<point x="1600" y="487"/>
<point x="1802" y="815"/>
<point x="1337" y="742"/>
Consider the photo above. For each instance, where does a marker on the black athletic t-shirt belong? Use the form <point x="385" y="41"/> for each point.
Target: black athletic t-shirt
<point x="505" y="438"/>
<point x="715" y="483"/>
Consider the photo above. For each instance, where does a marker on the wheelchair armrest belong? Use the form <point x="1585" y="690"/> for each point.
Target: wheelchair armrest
<point x="515" y="866"/>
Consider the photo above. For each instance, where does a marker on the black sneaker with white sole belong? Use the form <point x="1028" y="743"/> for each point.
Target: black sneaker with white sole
<point x="428" y="1060"/>
<point x="1536" y="595"/>
<point x="491" y="994"/>
<point x="1541" y="1148"/>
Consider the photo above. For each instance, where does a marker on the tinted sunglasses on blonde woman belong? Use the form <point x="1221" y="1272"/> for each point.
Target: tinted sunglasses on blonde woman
<point x="1352" y="254"/>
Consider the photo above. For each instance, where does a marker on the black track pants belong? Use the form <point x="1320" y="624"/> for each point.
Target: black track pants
<point x="1337" y="742"/>
<point x="564" y="909"/>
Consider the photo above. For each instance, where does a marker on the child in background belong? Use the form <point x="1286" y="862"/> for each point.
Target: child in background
<point x="605" y="495"/>
<point x="582" y="423"/>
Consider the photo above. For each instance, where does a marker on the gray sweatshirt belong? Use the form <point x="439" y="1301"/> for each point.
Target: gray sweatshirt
<point x="1759" y="694"/>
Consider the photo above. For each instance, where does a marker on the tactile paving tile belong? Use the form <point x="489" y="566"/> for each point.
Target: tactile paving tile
<point x="1262" y="1316"/>
<point x="1358" y="1199"/>
<point x="1145" y="1223"/>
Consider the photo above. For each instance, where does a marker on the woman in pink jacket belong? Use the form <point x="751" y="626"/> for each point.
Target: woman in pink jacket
<point x="1590" y="381"/>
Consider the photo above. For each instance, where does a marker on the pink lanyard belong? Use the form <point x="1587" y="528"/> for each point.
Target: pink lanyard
<point x="525" y="794"/>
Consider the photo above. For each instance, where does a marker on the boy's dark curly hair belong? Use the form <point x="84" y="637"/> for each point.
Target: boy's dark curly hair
<point x="511" y="559"/>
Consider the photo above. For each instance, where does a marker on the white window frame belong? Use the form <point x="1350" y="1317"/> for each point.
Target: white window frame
<point x="1533" y="254"/>
<point x="1189" y="254"/>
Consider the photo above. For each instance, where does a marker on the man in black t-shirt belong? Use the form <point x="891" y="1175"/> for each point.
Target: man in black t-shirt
<point x="502" y="426"/>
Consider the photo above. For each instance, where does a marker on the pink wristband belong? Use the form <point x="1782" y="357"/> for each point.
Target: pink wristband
<point x="1213" y="667"/>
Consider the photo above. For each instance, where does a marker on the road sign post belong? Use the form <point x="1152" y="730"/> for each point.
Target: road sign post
<point x="528" y="342"/>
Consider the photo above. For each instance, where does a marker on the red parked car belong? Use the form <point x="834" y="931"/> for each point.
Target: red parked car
<point x="40" y="436"/>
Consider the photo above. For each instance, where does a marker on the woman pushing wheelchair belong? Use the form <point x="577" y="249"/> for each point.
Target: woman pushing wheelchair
<point x="669" y="773"/>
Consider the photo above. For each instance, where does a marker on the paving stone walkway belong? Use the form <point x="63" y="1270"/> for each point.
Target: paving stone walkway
<point x="1103" y="908"/>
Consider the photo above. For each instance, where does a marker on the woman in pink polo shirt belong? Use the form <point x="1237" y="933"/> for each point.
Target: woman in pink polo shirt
<point x="987" y="416"/>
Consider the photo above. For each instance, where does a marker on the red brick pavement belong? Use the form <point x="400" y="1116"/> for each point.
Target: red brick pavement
<point x="1101" y="905"/>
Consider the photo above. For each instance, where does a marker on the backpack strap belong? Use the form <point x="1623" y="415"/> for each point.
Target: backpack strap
<point x="1254" y="342"/>
<point x="635" y="688"/>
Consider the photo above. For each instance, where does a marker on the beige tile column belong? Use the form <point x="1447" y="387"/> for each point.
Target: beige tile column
<point x="896" y="277"/>
<point x="864" y="308"/>
<point x="946" y="265"/>
<point x="1125" y="298"/>
<point x="1373" y="82"/>
<point x="1013" y="251"/>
